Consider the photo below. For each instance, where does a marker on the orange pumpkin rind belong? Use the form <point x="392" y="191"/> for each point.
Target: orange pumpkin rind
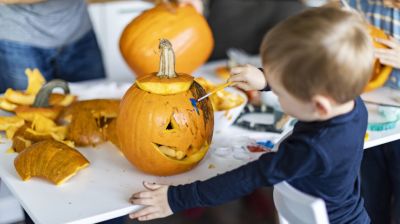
<point x="28" y="113"/>
<point x="19" y="97"/>
<point x="7" y="105"/>
<point x="87" y="120"/>
<point x="164" y="134"/>
<point x="52" y="160"/>
<point x="185" y="27"/>
<point x="35" y="81"/>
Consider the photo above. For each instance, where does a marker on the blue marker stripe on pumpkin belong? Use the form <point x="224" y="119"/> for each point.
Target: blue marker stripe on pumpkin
<point x="194" y="104"/>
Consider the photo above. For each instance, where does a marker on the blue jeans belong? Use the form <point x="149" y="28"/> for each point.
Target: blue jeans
<point x="380" y="182"/>
<point x="78" y="61"/>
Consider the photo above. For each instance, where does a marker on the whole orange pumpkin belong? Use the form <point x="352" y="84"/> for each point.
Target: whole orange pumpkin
<point x="159" y="130"/>
<point x="381" y="72"/>
<point x="187" y="30"/>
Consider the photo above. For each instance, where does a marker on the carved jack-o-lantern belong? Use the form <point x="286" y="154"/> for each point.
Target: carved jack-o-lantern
<point x="159" y="130"/>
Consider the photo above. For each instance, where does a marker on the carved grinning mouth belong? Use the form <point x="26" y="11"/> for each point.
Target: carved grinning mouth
<point x="170" y="151"/>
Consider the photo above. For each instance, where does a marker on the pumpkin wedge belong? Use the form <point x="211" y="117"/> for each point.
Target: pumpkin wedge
<point x="52" y="160"/>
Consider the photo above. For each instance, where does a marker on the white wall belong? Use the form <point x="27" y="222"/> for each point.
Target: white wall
<point x="109" y="20"/>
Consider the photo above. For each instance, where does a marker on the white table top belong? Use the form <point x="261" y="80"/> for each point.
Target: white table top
<point x="101" y="191"/>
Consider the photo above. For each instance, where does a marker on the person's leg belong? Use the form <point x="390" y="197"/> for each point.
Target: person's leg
<point x="393" y="156"/>
<point x="16" y="57"/>
<point x="375" y="184"/>
<point x="80" y="60"/>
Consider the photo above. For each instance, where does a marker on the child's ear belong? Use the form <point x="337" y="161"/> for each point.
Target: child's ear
<point x="322" y="105"/>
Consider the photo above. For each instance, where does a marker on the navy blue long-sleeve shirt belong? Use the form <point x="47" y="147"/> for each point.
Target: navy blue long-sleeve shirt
<point x="319" y="158"/>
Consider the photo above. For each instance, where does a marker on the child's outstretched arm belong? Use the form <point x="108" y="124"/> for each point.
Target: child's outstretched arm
<point x="155" y="199"/>
<point x="248" y="77"/>
<point x="295" y="159"/>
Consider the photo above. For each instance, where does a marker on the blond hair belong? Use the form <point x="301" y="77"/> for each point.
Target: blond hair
<point x="323" y="51"/>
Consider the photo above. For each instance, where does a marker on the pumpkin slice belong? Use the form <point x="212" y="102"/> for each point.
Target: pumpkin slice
<point x="43" y="128"/>
<point x="29" y="113"/>
<point x="84" y="130"/>
<point x="27" y="97"/>
<point x="10" y="122"/>
<point x="35" y="81"/>
<point x="11" y="125"/>
<point x="98" y="107"/>
<point x="7" y="105"/>
<point x="18" y="97"/>
<point x="167" y="86"/>
<point x="20" y="144"/>
<point x="58" y="133"/>
<point x="51" y="160"/>
<point x="17" y="131"/>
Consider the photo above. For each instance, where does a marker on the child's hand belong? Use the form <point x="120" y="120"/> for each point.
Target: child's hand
<point x="391" y="56"/>
<point x="156" y="200"/>
<point x="248" y="77"/>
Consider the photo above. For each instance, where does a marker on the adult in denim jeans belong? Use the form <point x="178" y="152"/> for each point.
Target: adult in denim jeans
<point x="54" y="36"/>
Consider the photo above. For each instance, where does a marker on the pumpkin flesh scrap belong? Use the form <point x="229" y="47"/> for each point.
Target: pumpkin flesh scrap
<point x="10" y="122"/>
<point x="35" y="81"/>
<point x="7" y="105"/>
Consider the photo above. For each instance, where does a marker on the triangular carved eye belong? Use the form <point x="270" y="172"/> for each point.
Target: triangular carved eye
<point x="172" y="124"/>
<point x="170" y="127"/>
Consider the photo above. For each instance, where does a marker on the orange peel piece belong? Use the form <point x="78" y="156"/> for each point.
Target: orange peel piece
<point x="35" y="81"/>
<point x="52" y="160"/>
<point x="7" y="105"/>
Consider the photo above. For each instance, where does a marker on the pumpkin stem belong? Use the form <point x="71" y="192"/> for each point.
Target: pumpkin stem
<point x="167" y="60"/>
<point x="42" y="97"/>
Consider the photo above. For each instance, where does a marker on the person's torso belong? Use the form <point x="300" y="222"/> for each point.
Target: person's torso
<point x="52" y="23"/>
<point x="340" y="141"/>
<point x="385" y="18"/>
